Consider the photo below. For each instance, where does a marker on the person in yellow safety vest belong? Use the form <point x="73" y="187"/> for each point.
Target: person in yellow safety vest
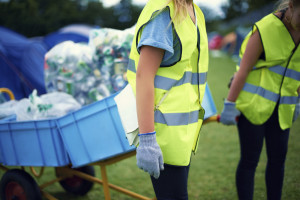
<point x="167" y="71"/>
<point x="265" y="93"/>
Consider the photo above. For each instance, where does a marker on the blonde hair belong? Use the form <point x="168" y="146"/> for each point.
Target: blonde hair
<point x="284" y="4"/>
<point x="180" y="11"/>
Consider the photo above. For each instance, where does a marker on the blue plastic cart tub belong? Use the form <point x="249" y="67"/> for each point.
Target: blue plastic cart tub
<point x="94" y="133"/>
<point x="32" y="143"/>
<point x="88" y="135"/>
<point x="208" y="104"/>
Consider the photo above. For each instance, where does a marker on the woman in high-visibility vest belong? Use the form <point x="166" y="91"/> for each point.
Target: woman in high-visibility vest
<point x="265" y="93"/>
<point x="167" y="71"/>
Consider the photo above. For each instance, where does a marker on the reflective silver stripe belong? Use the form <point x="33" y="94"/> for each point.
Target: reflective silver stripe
<point x="131" y="65"/>
<point x="261" y="92"/>
<point x="270" y="95"/>
<point x="188" y="77"/>
<point x="167" y="83"/>
<point x="293" y="74"/>
<point x="289" y="72"/>
<point x="278" y="69"/>
<point x="288" y="100"/>
<point x="164" y="82"/>
<point x="176" y="119"/>
<point x="202" y="78"/>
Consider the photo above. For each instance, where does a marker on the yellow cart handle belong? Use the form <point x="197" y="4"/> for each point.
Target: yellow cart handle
<point x="9" y="92"/>
<point x="215" y="118"/>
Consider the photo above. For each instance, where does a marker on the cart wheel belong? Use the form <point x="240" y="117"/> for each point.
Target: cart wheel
<point x="75" y="184"/>
<point x="17" y="184"/>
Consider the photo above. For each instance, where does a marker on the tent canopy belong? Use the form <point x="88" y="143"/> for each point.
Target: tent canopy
<point x="22" y="59"/>
<point x="21" y="63"/>
<point x="74" y="32"/>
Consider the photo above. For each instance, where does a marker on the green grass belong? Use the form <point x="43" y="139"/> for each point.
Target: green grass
<point x="212" y="171"/>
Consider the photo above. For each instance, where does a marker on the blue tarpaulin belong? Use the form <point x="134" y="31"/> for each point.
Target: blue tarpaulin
<point x="22" y="59"/>
<point x="74" y="32"/>
<point x="21" y="64"/>
<point x="57" y="37"/>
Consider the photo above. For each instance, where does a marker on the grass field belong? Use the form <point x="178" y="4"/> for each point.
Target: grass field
<point x="212" y="171"/>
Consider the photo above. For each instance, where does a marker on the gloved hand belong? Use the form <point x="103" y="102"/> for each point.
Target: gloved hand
<point x="229" y="113"/>
<point x="148" y="154"/>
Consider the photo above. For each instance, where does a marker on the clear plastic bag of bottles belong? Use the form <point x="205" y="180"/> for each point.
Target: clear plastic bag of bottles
<point x="46" y="106"/>
<point x="90" y="72"/>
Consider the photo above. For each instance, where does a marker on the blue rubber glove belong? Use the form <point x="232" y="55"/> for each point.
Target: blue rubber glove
<point x="229" y="114"/>
<point x="148" y="155"/>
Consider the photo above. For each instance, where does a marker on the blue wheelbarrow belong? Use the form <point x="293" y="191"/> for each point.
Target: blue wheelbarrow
<point x="72" y="144"/>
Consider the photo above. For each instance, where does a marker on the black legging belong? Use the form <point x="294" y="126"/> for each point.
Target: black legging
<point x="172" y="183"/>
<point x="251" y="143"/>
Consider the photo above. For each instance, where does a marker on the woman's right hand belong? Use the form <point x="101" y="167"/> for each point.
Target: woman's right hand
<point x="229" y="114"/>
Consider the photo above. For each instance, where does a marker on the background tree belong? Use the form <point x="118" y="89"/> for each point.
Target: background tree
<point x="40" y="17"/>
<point x="236" y="8"/>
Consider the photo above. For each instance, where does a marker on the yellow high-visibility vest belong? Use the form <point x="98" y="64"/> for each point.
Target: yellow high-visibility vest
<point x="179" y="88"/>
<point x="274" y="80"/>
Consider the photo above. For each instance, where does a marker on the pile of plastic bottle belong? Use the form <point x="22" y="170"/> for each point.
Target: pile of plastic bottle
<point x="89" y="72"/>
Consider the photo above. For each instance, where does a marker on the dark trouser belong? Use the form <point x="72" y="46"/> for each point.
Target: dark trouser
<point x="251" y="143"/>
<point x="172" y="183"/>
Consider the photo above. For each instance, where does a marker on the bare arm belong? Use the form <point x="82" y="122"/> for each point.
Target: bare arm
<point x="253" y="51"/>
<point x="150" y="60"/>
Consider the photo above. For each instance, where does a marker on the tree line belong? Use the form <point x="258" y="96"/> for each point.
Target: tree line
<point x="40" y="17"/>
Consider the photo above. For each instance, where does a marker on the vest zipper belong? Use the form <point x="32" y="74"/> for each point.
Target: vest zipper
<point x="161" y="100"/>
<point x="198" y="47"/>
<point x="198" y="82"/>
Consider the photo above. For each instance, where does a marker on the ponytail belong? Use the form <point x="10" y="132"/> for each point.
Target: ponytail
<point x="284" y="4"/>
